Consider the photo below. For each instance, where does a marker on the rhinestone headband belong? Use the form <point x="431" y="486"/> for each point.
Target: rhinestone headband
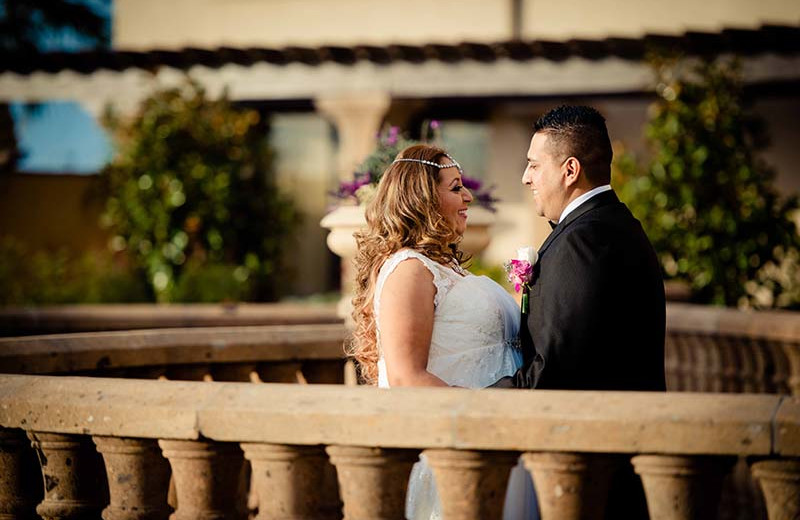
<point x="431" y="163"/>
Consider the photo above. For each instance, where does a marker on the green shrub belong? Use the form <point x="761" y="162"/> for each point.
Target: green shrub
<point x="31" y="277"/>
<point x="705" y="199"/>
<point x="192" y="185"/>
<point x="212" y="284"/>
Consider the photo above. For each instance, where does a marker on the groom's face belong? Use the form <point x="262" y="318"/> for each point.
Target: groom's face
<point x="545" y="178"/>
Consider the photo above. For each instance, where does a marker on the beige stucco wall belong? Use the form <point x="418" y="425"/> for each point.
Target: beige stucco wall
<point x="600" y="18"/>
<point x="141" y="24"/>
<point x="209" y="23"/>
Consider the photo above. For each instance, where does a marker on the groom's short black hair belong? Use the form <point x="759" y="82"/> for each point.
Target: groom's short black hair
<point x="580" y="132"/>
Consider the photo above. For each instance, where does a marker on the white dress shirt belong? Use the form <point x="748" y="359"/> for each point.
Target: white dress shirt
<point x="583" y="198"/>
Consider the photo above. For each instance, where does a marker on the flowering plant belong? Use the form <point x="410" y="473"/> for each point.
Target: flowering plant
<point x="520" y="272"/>
<point x="391" y="142"/>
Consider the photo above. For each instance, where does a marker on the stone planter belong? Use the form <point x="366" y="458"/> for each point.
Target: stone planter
<point x="346" y="220"/>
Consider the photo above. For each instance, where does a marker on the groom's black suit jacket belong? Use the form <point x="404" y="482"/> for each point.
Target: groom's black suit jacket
<point x="597" y="312"/>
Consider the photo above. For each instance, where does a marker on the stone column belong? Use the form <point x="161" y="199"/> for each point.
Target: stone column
<point x="290" y="482"/>
<point x="571" y="486"/>
<point x="74" y="478"/>
<point x="372" y="481"/>
<point x="471" y="484"/>
<point x="138" y="479"/>
<point x="206" y="476"/>
<point x="357" y="118"/>
<point x="17" y="476"/>
<point x="682" y="487"/>
<point x="780" y="481"/>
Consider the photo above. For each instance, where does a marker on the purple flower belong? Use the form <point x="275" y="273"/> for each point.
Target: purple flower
<point x="394" y="134"/>
<point x="470" y="183"/>
<point x="349" y="189"/>
<point x="435" y="124"/>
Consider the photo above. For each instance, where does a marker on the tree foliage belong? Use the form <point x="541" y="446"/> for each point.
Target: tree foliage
<point x="191" y="198"/>
<point x="706" y="199"/>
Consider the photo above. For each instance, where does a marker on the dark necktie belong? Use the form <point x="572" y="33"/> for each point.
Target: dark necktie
<point x="552" y="224"/>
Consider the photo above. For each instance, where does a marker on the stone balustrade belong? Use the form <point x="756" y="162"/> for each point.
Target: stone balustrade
<point x="109" y="445"/>
<point x="716" y="349"/>
<point x="708" y="349"/>
<point x="276" y="353"/>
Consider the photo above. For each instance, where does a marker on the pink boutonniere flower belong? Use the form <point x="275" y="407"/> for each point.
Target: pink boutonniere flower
<point x="520" y="272"/>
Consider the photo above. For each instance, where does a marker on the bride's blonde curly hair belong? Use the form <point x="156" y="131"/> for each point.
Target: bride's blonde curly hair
<point x="403" y="214"/>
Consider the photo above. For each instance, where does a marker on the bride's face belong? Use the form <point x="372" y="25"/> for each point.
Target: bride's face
<point x="453" y="198"/>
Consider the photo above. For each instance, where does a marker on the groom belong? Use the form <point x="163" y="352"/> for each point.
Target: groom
<point x="596" y="301"/>
<point x="596" y="314"/>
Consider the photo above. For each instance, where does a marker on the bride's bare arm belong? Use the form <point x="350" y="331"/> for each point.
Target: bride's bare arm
<point x="406" y="315"/>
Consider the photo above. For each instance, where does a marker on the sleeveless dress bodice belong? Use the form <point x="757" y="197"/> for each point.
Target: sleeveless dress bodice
<point x="475" y="327"/>
<point x="474" y="343"/>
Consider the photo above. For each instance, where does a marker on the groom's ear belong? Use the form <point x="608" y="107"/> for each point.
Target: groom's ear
<point x="572" y="170"/>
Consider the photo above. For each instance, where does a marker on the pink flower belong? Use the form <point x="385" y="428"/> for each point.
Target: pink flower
<point x="519" y="272"/>
<point x="520" y="269"/>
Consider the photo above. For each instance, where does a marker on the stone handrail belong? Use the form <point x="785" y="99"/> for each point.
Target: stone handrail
<point x="152" y="353"/>
<point x="680" y="444"/>
<point x="57" y="319"/>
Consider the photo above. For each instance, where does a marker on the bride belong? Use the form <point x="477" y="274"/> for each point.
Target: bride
<point x="421" y="319"/>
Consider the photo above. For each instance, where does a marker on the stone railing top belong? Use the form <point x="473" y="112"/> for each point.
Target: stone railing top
<point x="705" y="319"/>
<point x="622" y="422"/>
<point x="16" y="321"/>
<point x="63" y="353"/>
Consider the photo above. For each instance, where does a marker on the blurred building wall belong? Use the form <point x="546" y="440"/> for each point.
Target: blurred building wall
<point x="147" y="24"/>
<point x="46" y="211"/>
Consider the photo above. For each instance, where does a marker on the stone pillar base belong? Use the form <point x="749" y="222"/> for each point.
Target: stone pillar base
<point x="571" y="486"/>
<point x="74" y="479"/>
<point x="206" y="476"/>
<point x="138" y="479"/>
<point x="682" y="487"/>
<point x="471" y="484"/>
<point x="372" y="481"/>
<point x="780" y="481"/>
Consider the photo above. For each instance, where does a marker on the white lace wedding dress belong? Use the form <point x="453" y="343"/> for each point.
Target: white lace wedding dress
<point x="474" y="343"/>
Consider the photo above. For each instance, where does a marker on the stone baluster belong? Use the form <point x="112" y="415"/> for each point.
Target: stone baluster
<point x="471" y="484"/>
<point x="732" y="352"/>
<point x="672" y="363"/>
<point x="148" y="372"/>
<point x="372" y="481"/>
<point x="237" y="372"/>
<point x="281" y="372"/>
<point x="189" y="373"/>
<point x="682" y="487"/>
<point x="792" y="352"/>
<point x="709" y="366"/>
<point x="780" y="368"/>
<point x="571" y="486"/>
<point x="18" y="475"/>
<point x="291" y="482"/>
<point x="780" y="481"/>
<point x="138" y="479"/>
<point x="74" y="478"/>
<point x="207" y="479"/>
<point x="324" y="372"/>
<point x="751" y="366"/>
<point x="685" y="378"/>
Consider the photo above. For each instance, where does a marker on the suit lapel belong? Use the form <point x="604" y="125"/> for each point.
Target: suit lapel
<point x="603" y="199"/>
